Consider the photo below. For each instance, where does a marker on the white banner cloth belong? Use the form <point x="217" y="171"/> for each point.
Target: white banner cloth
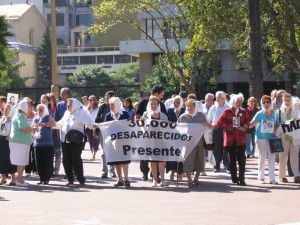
<point x="291" y="128"/>
<point x="149" y="140"/>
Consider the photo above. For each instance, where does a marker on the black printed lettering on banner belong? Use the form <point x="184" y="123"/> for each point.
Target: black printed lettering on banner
<point x="153" y="123"/>
<point x="149" y="151"/>
<point x="293" y="125"/>
<point x="151" y="135"/>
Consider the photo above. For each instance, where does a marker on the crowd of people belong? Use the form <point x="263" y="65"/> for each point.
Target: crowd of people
<point x="33" y="136"/>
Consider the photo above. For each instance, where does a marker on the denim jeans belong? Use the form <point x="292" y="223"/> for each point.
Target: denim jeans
<point x="250" y="143"/>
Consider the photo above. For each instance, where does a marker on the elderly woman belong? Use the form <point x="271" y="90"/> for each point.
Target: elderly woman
<point x="266" y="115"/>
<point x="92" y="135"/>
<point x="118" y="113"/>
<point x="75" y="118"/>
<point x="20" y="140"/>
<point x="194" y="161"/>
<point x="153" y="113"/>
<point x="235" y="121"/>
<point x="252" y="109"/>
<point x="5" y="127"/>
<point x="174" y="113"/>
<point x="43" y="145"/>
<point x="288" y="112"/>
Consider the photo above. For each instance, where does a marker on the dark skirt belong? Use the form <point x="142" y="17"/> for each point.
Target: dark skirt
<point x="5" y="166"/>
<point x="93" y="141"/>
<point x="173" y="166"/>
<point x="119" y="162"/>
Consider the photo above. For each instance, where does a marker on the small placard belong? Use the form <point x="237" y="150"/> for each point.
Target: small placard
<point x="267" y="126"/>
<point x="236" y="121"/>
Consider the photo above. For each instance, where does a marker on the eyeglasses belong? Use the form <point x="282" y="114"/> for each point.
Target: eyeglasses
<point x="267" y="102"/>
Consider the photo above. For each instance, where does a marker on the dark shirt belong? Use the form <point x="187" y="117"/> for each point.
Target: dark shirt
<point x="102" y="111"/>
<point x="60" y="110"/>
<point x="172" y="117"/>
<point x="109" y="117"/>
<point x="143" y="107"/>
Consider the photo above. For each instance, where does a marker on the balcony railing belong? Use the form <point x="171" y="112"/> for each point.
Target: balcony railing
<point x="87" y="49"/>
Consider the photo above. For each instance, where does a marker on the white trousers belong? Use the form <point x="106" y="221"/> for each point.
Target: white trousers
<point x="264" y="152"/>
<point x="293" y="150"/>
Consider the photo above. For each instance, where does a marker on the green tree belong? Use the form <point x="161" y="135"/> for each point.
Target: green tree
<point x="44" y="78"/>
<point x="127" y="75"/>
<point x="87" y="77"/>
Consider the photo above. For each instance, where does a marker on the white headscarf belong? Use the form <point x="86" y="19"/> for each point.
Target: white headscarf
<point x="181" y="102"/>
<point x="23" y="106"/>
<point x="118" y="107"/>
<point x="75" y="105"/>
<point x="169" y="103"/>
<point x="296" y="103"/>
<point x="149" y="108"/>
<point x="197" y="108"/>
<point x="263" y="107"/>
<point x="45" y="111"/>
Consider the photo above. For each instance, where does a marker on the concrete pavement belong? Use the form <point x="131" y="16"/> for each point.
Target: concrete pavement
<point x="215" y="201"/>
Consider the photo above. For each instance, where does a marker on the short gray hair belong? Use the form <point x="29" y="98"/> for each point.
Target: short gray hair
<point x="67" y="91"/>
<point x="222" y="93"/>
<point x="209" y="94"/>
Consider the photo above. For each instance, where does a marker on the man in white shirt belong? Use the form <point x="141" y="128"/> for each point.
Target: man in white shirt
<point x="213" y="116"/>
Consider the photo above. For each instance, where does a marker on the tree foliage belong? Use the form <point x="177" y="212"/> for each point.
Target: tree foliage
<point x="44" y="78"/>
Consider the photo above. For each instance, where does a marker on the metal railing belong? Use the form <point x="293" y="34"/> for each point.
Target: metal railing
<point x="87" y="49"/>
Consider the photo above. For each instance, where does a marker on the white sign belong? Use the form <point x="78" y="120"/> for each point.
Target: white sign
<point x="12" y="99"/>
<point x="267" y="126"/>
<point x="149" y="140"/>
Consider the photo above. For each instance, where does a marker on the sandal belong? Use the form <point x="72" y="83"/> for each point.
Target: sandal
<point x="284" y="180"/>
<point x="119" y="183"/>
<point x="190" y="184"/>
<point x="3" y="182"/>
<point x="297" y="180"/>
<point x="12" y="183"/>
<point x="196" y="182"/>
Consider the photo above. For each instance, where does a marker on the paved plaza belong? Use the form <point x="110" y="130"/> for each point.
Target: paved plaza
<point x="215" y="201"/>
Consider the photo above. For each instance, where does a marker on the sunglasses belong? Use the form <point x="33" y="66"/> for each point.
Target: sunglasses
<point x="267" y="102"/>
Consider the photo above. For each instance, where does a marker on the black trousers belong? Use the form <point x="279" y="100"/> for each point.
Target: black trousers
<point x="72" y="160"/>
<point x="219" y="152"/>
<point x="31" y="167"/>
<point x="237" y="153"/>
<point x="144" y="167"/>
<point x="44" y="160"/>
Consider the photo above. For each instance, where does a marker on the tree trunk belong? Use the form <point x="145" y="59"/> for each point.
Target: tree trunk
<point x="256" y="72"/>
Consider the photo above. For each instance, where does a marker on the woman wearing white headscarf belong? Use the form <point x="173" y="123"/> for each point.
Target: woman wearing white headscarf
<point x="288" y="112"/>
<point x="75" y="118"/>
<point x="5" y="127"/>
<point x="43" y="143"/>
<point x="117" y="112"/>
<point x="174" y="113"/>
<point x="20" y="140"/>
<point x="194" y="161"/>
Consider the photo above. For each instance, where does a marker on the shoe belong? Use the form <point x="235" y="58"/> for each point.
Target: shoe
<point x="252" y="156"/>
<point x="3" y="182"/>
<point x="203" y="174"/>
<point x="104" y="175"/>
<point x="154" y="184"/>
<point x="127" y="183"/>
<point x="235" y="182"/>
<point x="248" y="155"/>
<point x="297" y="180"/>
<point x="46" y="182"/>
<point x="12" y="183"/>
<point x="113" y="174"/>
<point x="164" y="184"/>
<point x="242" y="183"/>
<point x="23" y="184"/>
<point x="273" y="182"/>
<point x="82" y="183"/>
<point x="216" y="170"/>
<point x="119" y="183"/>
<point x="39" y="183"/>
<point x="158" y="180"/>
<point x="261" y="181"/>
<point x="190" y="185"/>
<point x="70" y="184"/>
<point x="145" y="177"/>
<point x="171" y="176"/>
<point x="284" y="180"/>
<point x="196" y="182"/>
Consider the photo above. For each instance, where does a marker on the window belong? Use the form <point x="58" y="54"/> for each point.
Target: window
<point x="31" y="37"/>
<point x="106" y="59"/>
<point x="149" y="27"/>
<point x="122" y="59"/>
<point x="84" y="19"/>
<point x="70" y="60"/>
<point x="83" y="3"/>
<point x="60" y="3"/>
<point x="87" y="60"/>
<point x="59" y="61"/>
<point x="134" y="59"/>
<point x="60" y="19"/>
<point x="45" y="1"/>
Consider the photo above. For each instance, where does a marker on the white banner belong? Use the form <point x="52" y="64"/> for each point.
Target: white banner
<point x="291" y="128"/>
<point x="149" y="140"/>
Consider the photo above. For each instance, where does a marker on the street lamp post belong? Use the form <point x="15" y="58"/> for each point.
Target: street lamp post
<point x="54" y="86"/>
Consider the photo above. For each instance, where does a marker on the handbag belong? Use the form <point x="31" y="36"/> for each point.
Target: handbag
<point x="276" y="145"/>
<point x="74" y="136"/>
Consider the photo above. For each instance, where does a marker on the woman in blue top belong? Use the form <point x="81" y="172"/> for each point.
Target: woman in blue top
<point x="265" y="119"/>
<point x="43" y="143"/>
<point x="118" y="113"/>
